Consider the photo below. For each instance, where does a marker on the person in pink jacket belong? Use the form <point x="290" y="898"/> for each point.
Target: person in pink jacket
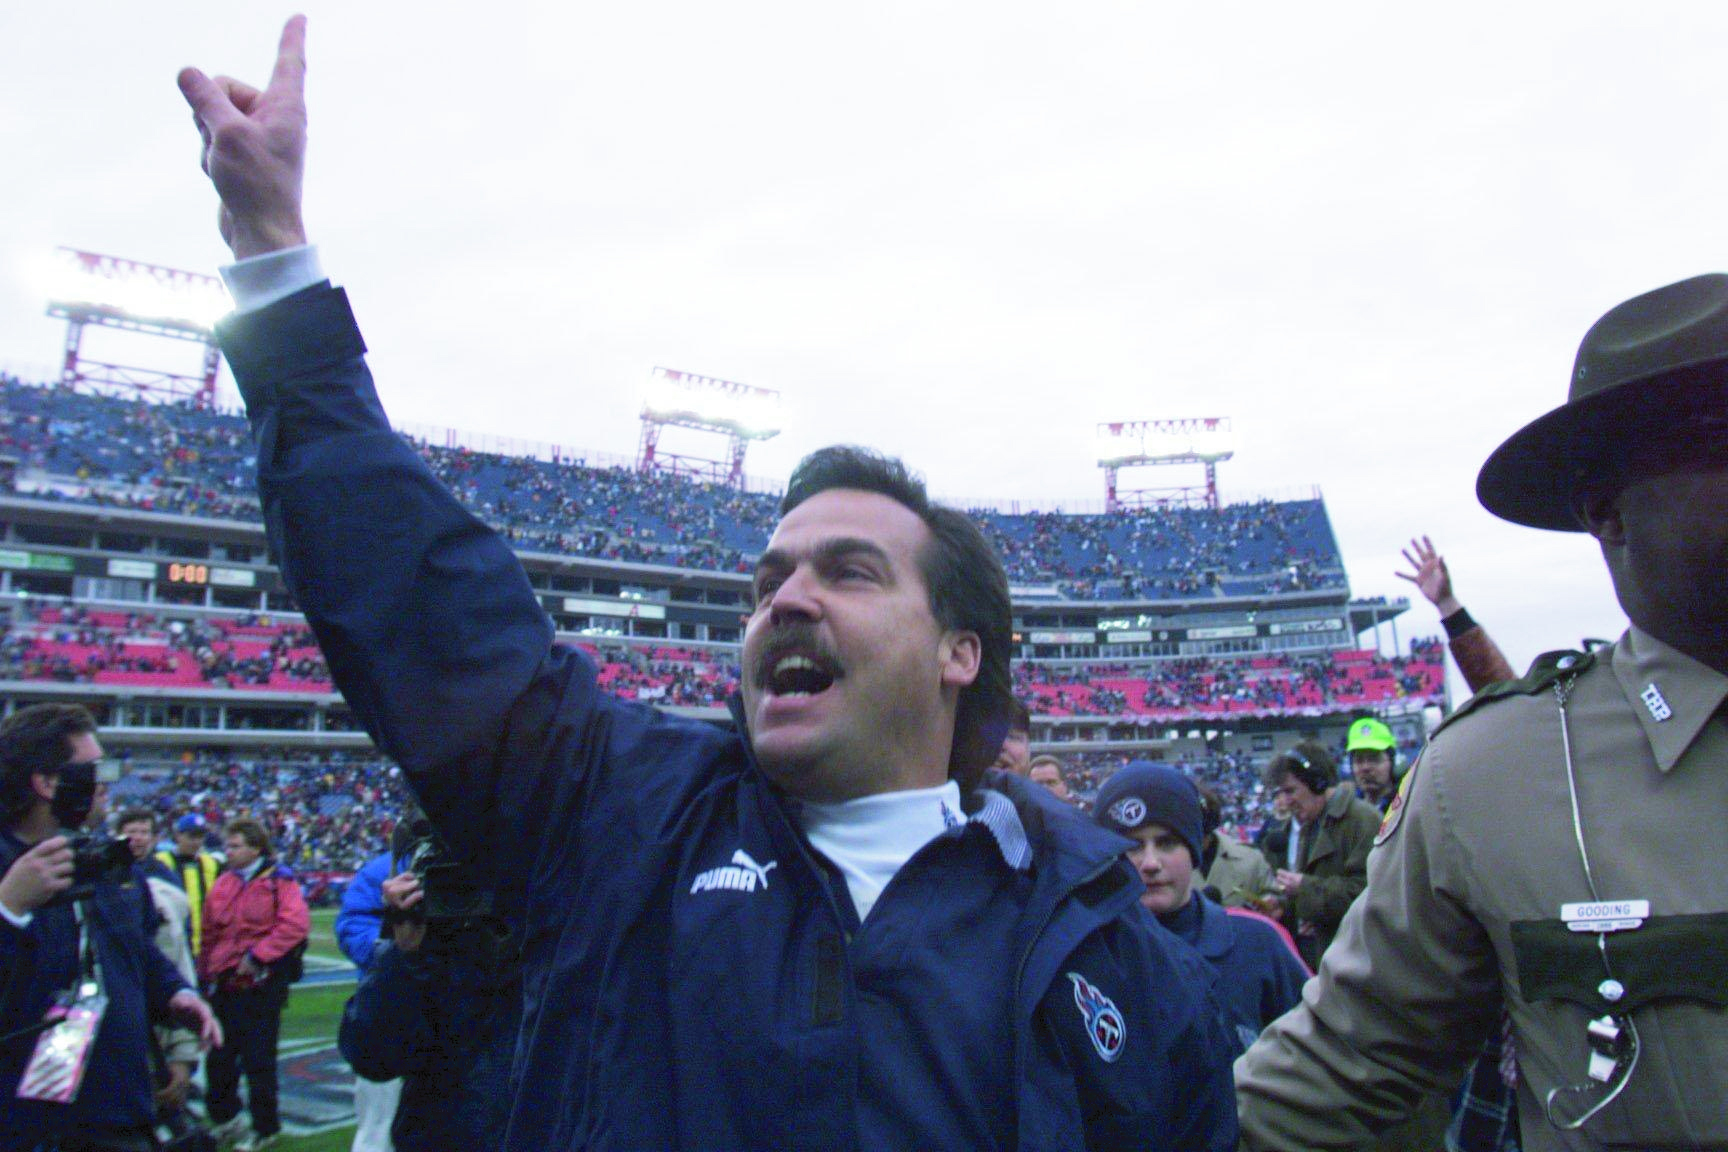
<point x="255" y="924"/>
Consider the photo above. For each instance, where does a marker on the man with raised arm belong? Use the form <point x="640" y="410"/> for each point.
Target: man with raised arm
<point x="829" y="928"/>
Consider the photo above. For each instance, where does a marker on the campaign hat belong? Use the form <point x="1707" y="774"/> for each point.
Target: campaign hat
<point x="1654" y="368"/>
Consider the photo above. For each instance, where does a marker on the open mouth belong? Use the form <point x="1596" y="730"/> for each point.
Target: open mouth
<point x="799" y="675"/>
<point x="797" y="667"/>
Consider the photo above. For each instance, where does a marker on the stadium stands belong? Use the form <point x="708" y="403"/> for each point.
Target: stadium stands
<point x="71" y="644"/>
<point x="170" y="457"/>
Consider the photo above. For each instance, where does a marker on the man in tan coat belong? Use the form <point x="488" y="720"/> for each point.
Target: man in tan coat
<point x="1557" y="848"/>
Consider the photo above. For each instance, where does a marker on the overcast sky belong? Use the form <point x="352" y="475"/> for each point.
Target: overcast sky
<point x="1370" y="234"/>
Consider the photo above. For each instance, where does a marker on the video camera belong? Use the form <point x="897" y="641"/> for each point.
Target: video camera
<point x="95" y="860"/>
<point x="453" y="891"/>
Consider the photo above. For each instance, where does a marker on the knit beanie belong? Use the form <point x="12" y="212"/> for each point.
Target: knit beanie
<point x="1146" y="793"/>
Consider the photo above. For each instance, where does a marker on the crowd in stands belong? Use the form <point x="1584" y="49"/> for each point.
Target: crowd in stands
<point x="76" y="644"/>
<point x="327" y="811"/>
<point x="171" y="457"/>
<point x="1171" y="553"/>
<point x="1251" y="685"/>
<point x="1234" y="776"/>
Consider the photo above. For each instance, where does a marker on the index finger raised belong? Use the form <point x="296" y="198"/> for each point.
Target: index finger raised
<point x="290" y="70"/>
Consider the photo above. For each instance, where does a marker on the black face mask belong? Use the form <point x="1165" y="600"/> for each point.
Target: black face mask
<point x="75" y="796"/>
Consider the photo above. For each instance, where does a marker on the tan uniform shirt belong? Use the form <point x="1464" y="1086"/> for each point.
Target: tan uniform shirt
<point x="1463" y="907"/>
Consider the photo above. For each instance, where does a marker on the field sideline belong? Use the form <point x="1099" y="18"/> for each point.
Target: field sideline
<point x="311" y="1020"/>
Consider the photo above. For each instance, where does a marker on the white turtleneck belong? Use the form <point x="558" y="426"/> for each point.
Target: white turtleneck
<point x="871" y="838"/>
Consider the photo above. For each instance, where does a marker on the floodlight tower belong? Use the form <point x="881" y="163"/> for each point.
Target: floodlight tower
<point x="738" y="412"/>
<point x="1194" y="440"/>
<point x="110" y="292"/>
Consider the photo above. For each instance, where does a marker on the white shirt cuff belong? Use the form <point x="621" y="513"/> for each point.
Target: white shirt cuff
<point x="17" y="921"/>
<point x="259" y="281"/>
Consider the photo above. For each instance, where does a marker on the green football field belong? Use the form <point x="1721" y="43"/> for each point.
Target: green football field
<point x="314" y="1014"/>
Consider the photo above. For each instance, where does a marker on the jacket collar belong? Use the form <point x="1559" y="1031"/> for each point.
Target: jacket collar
<point x="1066" y="844"/>
<point x="995" y="807"/>
<point x="1215" y="939"/>
<point x="1337" y="804"/>
<point x="1673" y="695"/>
<point x="996" y="812"/>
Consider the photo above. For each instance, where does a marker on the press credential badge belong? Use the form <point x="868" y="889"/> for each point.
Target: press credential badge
<point x="56" y="1069"/>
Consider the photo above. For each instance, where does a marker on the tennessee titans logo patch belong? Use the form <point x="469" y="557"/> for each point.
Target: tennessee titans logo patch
<point x="1128" y="811"/>
<point x="1104" y="1024"/>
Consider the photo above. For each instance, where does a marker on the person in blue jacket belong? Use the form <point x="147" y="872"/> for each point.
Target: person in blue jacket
<point x="360" y="921"/>
<point x="439" y="1010"/>
<point x="1260" y="974"/>
<point x="360" y="935"/>
<point x="826" y="928"/>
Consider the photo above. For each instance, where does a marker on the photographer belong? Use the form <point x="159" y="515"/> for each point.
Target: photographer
<point x="255" y="928"/>
<point x="440" y="1007"/>
<point x="77" y="962"/>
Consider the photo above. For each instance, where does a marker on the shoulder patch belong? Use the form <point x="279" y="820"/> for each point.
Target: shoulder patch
<point x="1544" y="672"/>
<point x="1104" y="1024"/>
<point x="1395" y="810"/>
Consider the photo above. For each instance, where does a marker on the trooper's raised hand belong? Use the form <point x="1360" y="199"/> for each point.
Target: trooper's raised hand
<point x="254" y="147"/>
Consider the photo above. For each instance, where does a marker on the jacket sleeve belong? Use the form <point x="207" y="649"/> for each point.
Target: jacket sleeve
<point x="161" y="979"/>
<point x="293" y="922"/>
<point x="386" y="1027"/>
<point x="1480" y="659"/>
<point x="431" y="630"/>
<point x="361" y="919"/>
<point x="1403" y="1000"/>
<point x="1286" y="975"/>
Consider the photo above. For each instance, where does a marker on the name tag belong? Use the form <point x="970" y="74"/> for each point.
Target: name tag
<point x="1605" y="915"/>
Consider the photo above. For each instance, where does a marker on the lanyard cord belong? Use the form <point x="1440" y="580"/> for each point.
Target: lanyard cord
<point x="88" y="970"/>
<point x="1563" y="694"/>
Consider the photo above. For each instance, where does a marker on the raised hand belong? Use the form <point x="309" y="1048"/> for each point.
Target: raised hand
<point x="255" y="148"/>
<point x="37" y="876"/>
<point x="1429" y="575"/>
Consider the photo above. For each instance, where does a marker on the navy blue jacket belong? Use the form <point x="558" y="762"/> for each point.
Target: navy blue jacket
<point x="1259" y="977"/>
<point x="42" y="959"/>
<point x="359" y="924"/>
<point x="444" y="1018"/>
<point x="680" y="993"/>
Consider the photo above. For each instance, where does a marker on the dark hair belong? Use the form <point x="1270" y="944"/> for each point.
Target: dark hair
<point x="36" y="739"/>
<point x="968" y="590"/>
<point x="1019" y="719"/>
<point x="250" y="831"/>
<point x="133" y="815"/>
<point x="1211" y="808"/>
<point x="1308" y="762"/>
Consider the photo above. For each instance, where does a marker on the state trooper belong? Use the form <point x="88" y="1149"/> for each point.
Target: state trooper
<point x="1557" y="847"/>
